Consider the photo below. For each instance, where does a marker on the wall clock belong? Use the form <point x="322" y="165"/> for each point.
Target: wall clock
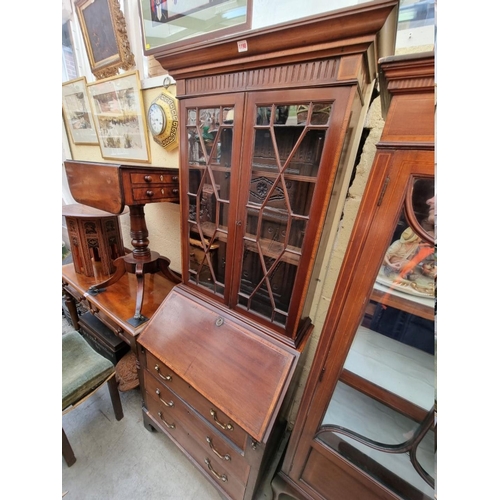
<point x="163" y="120"/>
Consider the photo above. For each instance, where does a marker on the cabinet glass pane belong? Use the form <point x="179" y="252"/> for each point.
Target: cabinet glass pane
<point x="361" y="415"/>
<point x="210" y="138"/>
<point x="287" y="149"/>
<point x="388" y="387"/>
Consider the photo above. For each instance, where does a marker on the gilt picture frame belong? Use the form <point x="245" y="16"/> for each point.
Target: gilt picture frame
<point x="77" y="113"/>
<point x="118" y="109"/>
<point x="105" y="35"/>
<point x="170" y="25"/>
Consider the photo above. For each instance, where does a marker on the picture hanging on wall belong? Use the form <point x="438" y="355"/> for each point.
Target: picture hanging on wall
<point x="173" y="24"/>
<point x="105" y="34"/>
<point x="76" y="112"/>
<point x="118" y="110"/>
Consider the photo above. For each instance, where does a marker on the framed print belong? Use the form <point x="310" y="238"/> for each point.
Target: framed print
<point x="118" y="110"/>
<point x="171" y="24"/>
<point x="105" y="34"/>
<point x="76" y="112"/>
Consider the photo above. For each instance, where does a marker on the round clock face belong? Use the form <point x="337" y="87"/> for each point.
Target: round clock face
<point x="156" y="119"/>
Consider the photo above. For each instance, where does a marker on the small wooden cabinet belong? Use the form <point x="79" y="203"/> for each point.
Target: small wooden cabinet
<point x="366" y="424"/>
<point x="95" y="239"/>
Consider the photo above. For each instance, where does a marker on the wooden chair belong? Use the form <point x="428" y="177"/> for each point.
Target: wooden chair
<point x="84" y="371"/>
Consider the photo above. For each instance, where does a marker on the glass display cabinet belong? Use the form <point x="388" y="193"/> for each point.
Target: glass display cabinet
<point x="366" y="426"/>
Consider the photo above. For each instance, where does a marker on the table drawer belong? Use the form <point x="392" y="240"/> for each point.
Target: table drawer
<point x="155" y="192"/>
<point x="217" y="472"/>
<point x="217" y="447"/>
<point x="154" y="178"/>
<point x="75" y="293"/>
<point x="202" y="405"/>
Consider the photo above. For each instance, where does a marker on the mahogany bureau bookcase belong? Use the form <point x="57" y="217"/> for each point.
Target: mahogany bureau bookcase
<point x="268" y="139"/>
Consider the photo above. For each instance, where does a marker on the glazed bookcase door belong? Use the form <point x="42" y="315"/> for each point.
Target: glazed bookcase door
<point x="212" y="136"/>
<point x="288" y="163"/>
<point x="260" y="169"/>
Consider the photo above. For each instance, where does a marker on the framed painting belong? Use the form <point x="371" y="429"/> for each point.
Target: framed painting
<point x="118" y="110"/>
<point x="105" y="34"/>
<point x="174" y="24"/>
<point x="77" y="113"/>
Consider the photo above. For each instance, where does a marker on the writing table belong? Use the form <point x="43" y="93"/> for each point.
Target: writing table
<point x="114" y="305"/>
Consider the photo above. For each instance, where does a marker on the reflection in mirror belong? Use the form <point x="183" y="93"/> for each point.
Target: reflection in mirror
<point x="420" y="206"/>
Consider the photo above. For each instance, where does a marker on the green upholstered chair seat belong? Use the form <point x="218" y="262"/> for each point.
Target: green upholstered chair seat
<point x="83" y="369"/>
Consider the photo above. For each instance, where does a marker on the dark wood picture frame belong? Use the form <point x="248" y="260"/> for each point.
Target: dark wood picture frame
<point x="167" y="26"/>
<point x="105" y="34"/>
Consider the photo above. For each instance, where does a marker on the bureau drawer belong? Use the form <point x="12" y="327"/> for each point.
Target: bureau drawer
<point x="217" y="472"/>
<point x="154" y="178"/>
<point x="217" y="447"/>
<point x="155" y="192"/>
<point x="215" y="416"/>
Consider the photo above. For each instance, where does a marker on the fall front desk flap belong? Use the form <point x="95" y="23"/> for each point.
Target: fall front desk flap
<point x="235" y="366"/>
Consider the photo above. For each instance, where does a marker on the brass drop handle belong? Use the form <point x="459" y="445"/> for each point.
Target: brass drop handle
<point x="169" y="404"/>
<point x="226" y="427"/>
<point x="222" y="457"/>
<point x="170" y="426"/>
<point x="221" y="477"/>
<point x="167" y="378"/>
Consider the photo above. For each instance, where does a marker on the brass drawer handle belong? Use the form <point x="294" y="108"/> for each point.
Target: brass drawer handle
<point x="175" y="178"/>
<point x="168" y="377"/>
<point x="170" y="426"/>
<point x="148" y="178"/>
<point x="222" y="477"/>
<point x="226" y="427"/>
<point x="169" y="404"/>
<point x="222" y="457"/>
<point x="149" y="193"/>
